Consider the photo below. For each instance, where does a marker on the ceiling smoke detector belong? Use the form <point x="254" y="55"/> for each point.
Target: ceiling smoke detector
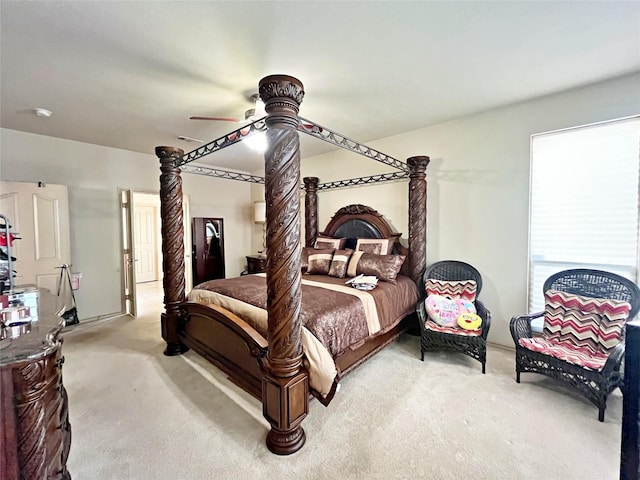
<point x="42" y="112"/>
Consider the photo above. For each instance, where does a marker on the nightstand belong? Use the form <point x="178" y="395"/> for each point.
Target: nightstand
<point x="256" y="264"/>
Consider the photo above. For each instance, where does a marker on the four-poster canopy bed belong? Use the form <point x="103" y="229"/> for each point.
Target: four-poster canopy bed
<point x="268" y="361"/>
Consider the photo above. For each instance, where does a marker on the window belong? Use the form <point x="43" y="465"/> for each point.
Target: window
<point x="584" y="202"/>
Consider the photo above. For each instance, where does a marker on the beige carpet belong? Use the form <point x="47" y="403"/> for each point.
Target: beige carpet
<point x="136" y="414"/>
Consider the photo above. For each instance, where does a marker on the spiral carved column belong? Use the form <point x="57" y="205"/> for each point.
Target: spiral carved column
<point x="172" y="246"/>
<point x="417" y="216"/>
<point x="285" y="388"/>
<point x="310" y="210"/>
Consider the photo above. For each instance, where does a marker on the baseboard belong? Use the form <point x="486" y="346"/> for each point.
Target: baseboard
<point x="92" y="321"/>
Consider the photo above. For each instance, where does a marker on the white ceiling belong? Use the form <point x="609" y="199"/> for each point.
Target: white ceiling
<point x="130" y="74"/>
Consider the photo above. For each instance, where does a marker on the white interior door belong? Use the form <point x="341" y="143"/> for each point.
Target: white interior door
<point x="40" y="214"/>
<point x="130" y="202"/>
<point x="146" y="251"/>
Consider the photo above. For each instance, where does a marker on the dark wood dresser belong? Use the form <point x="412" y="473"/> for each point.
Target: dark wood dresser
<point x="256" y="264"/>
<point x="35" y="434"/>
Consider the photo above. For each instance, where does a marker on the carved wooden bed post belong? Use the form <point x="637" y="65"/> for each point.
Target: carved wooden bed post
<point x="417" y="216"/>
<point x="310" y="210"/>
<point x="285" y="387"/>
<point x="172" y="246"/>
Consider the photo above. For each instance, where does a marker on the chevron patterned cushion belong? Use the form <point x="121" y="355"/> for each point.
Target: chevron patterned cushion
<point x="465" y="289"/>
<point x="566" y="351"/>
<point x="431" y="325"/>
<point x="593" y="324"/>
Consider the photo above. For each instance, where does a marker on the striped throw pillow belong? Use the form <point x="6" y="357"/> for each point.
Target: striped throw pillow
<point x="319" y="261"/>
<point x="339" y="262"/>
<point x="464" y="289"/>
<point x="590" y="323"/>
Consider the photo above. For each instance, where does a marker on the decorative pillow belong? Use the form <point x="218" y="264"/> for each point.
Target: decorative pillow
<point x="385" y="267"/>
<point x="320" y="261"/>
<point x="339" y="263"/>
<point x="304" y="258"/>
<point x="328" y="242"/>
<point x="378" y="246"/>
<point x="469" y="321"/>
<point x="352" y="268"/>
<point x="465" y="289"/>
<point x="590" y="323"/>
<point x="445" y="311"/>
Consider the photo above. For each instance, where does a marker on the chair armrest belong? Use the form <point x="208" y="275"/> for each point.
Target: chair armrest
<point x="520" y="326"/>
<point x="422" y="313"/>
<point x="614" y="360"/>
<point x="485" y="315"/>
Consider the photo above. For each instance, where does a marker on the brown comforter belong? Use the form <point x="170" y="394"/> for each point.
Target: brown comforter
<point x="338" y="320"/>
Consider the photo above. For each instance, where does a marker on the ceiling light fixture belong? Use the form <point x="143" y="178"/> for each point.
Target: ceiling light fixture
<point x="256" y="142"/>
<point x="260" y="111"/>
<point x="42" y="112"/>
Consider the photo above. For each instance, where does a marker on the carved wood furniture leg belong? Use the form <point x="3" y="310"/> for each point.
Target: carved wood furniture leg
<point x="310" y="210"/>
<point x="417" y="216"/>
<point x="172" y="246"/>
<point x="285" y="387"/>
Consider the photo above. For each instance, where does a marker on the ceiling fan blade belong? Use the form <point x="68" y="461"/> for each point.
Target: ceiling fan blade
<point x="215" y="119"/>
<point x="310" y="128"/>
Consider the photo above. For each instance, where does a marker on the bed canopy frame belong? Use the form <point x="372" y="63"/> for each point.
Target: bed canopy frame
<point x="285" y="387"/>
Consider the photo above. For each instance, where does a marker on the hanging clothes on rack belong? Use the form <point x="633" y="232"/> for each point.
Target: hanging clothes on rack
<point x="68" y="310"/>
<point x="7" y="273"/>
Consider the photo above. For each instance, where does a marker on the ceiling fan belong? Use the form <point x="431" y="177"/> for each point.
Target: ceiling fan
<point x="250" y="115"/>
<point x="253" y="114"/>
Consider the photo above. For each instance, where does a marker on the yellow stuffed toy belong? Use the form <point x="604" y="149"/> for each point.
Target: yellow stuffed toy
<point x="469" y="321"/>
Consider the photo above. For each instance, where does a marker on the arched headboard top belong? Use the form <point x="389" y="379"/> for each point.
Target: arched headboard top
<point x="359" y="221"/>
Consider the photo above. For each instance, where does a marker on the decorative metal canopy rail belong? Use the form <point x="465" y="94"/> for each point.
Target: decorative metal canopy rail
<point x="307" y="126"/>
<point x="335" y="138"/>
<point x="351" y="182"/>
<point x="385" y="177"/>
<point x="222" y="142"/>
<point x="213" y="172"/>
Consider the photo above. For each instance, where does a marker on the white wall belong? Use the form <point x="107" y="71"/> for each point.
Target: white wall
<point x="478" y="184"/>
<point x="94" y="174"/>
<point x="478" y="191"/>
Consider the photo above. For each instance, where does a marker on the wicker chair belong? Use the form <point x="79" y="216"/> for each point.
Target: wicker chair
<point x="594" y="385"/>
<point x="474" y="346"/>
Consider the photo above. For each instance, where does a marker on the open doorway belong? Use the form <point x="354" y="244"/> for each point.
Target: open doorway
<point x="141" y="251"/>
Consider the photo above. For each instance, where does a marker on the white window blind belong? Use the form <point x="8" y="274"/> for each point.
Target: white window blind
<point x="584" y="202"/>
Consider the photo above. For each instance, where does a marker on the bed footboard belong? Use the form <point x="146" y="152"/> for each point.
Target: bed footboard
<point x="227" y="341"/>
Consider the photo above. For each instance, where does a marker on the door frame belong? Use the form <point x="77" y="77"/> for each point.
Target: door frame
<point x="127" y="226"/>
<point x="127" y="269"/>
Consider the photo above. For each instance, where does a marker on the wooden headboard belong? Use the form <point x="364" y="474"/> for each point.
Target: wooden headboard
<point x="359" y="221"/>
